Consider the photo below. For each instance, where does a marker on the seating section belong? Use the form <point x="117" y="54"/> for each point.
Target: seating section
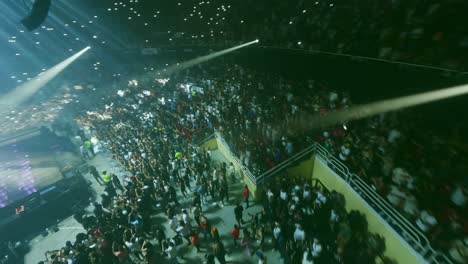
<point x="150" y="127"/>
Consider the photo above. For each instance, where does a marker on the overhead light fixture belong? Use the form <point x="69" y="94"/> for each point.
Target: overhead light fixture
<point x="38" y="14"/>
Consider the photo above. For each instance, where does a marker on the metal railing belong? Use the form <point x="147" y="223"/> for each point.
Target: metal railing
<point x="407" y="230"/>
<point x="202" y="135"/>
<point x="239" y="163"/>
<point x="285" y="164"/>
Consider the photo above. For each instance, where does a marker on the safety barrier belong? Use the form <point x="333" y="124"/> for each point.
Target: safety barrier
<point x="285" y="164"/>
<point x="202" y="135"/>
<point x="238" y="162"/>
<point x="407" y="230"/>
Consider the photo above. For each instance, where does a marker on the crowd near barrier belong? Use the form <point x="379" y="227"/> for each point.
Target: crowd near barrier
<point x="408" y="231"/>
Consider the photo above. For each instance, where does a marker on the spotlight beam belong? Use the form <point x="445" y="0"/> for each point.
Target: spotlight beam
<point x="202" y="59"/>
<point x="310" y="122"/>
<point x="23" y="92"/>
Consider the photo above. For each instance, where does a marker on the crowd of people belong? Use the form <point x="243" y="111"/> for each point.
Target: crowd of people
<point x="425" y="32"/>
<point x="409" y="169"/>
<point x="151" y="135"/>
<point x="151" y="126"/>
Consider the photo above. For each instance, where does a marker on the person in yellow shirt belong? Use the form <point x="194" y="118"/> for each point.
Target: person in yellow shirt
<point x="106" y="178"/>
<point x="89" y="146"/>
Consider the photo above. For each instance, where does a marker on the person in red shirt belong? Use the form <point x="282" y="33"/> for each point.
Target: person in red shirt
<point x="245" y="195"/>
<point x="194" y="240"/>
<point x="205" y="227"/>
<point x="235" y="234"/>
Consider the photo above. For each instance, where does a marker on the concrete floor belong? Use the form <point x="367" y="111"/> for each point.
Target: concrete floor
<point x="220" y="216"/>
<point x="69" y="227"/>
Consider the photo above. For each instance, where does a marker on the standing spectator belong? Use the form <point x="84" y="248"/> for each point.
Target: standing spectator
<point x="197" y="213"/>
<point x="215" y="233"/>
<point x="194" y="240"/>
<point x="89" y="146"/>
<point x="205" y="227"/>
<point x="171" y="251"/>
<point x="245" y="195"/>
<point x="307" y="257"/>
<point x="160" y="236"/>
<point x="219" y="252"/>
<point x="235" y="234"/>
<point x="106" y="178"/>
<point x="96" y="175"/>
<point x="84" y="152"/>
<point x="120" y="252"/>
<point x="222" y="194"/>
<point x="276" y="235"/>
<point x="226" y="189"/>
<point x="299" y="234"/>
<point x="116" y="182"/>
<point x="238" y="211"/>
<point x="186" y="231"/>
<point x="209" y="259"/>
<point x="246" y="243"/>
<point x="426" y="221"/>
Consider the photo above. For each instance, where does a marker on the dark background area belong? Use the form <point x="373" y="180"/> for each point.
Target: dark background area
<point x="366" y="81"/>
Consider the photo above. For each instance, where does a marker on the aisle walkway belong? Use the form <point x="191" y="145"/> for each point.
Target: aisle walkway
<point x="223" y="218"/>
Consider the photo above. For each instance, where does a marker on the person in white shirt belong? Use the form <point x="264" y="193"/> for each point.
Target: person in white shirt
<point x="316" y="248"/>
<point x="171" y="252"/>
<point x="395" y="196"/>
<point x="321" y="199"/>
<point x="306" y="195"/>
<point x="174" y="223"/>
<point x="292" y="205"/>
<point x="345" y="151"/>
<point x="393" y="136"/>
<point x="276" y="235"/>
<point x="458" y="196"/>
<point x="334" y="217"/>
<point x="270" y="195"/>
<point x="403" y="178"/>
<point x="411" y="204"/>
<point x="299" y="234"/>
<point x="307" y="257"/>
<point x="295" y="198"/>
<point x="283" y="195"/>
<point x="426" y="221"/>
<point x="185" y="216"/>
<point x="297" y="188"/>
<point x="276" y="231"/>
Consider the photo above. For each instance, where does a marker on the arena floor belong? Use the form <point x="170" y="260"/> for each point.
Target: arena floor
<point x="221" y="216"/>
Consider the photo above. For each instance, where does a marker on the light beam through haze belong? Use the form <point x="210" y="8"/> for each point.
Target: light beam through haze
<point x="23" y="92"/>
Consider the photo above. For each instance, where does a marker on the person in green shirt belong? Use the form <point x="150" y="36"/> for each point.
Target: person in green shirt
<point x="89" y="146"/>
<point x="106" y="178"/>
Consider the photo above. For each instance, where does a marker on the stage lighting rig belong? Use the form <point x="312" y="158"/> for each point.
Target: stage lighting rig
<point x="38" y="14"/>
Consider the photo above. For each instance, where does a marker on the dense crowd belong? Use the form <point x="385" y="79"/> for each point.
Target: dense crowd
<point x="151" y="127"/>
<point x="425" y="32"/>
